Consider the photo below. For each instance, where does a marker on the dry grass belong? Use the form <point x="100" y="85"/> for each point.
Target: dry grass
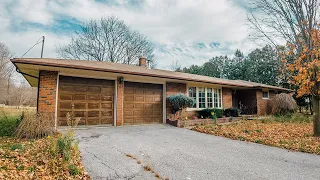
<point x="36" y="126"/>
<point x="15" y="112"/>
<point x="289" y="135"/>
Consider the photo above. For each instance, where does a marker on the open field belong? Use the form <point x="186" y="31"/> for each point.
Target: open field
<point x="296" y="135"/>
<point x="13" y="111"/>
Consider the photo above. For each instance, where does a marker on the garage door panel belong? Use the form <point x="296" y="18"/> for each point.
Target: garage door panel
<point x="80" y="97"/>
<point x="128" y="98"/>
<point x="66" y="87"/>
<point x="138" y="120"/>
<point x="139" y="91"/>
<point x="128" y="114"/>
<point x="107" y="91"/>
<point x="147" y="100"/>
<point x="106" y="98"/>
<point x="81" y="89"/>
<point x="128" y="105"/>
<point x="79" y="113"/>
<point x="106" y="113"/>
<point x="66" y="96"/>
<point x="66" y="105"/>
<point x="90" y="99"/>
<point x="107" y="105"/>
<point x="92" y="121"/>
<point x="138" y="113"/>
<point x="129" y="90"/>
<point x="106" y="120"/>
<point x="139" y="98"/>
<point x="93" y="105"/>
<point x="138" y="105"/>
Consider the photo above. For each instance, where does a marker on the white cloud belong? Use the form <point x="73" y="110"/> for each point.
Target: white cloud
<point x="165" y="22"/>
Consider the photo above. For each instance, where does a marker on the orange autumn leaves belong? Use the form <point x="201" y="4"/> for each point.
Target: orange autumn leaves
<point x="31" y="159"/>
<point x="305" y="68"/>
<point x="292" y="136"/>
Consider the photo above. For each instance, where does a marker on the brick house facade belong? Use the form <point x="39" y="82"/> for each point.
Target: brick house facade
<point x="116" y="94"/>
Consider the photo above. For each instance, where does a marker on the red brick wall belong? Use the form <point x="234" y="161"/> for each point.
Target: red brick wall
<point x="172" y="89"/>
<point x="263" y="105"/>
<point x="120" y="90"/>
<point x="226" y="98"/>
<point x="47" y="91"/>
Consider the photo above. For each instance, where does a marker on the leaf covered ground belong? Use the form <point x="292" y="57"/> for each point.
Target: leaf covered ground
<point x="296" y="136"/>
<point x="37" y="159"/>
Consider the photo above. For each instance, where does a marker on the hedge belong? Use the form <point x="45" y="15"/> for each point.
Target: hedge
<point x="207" y="113"/>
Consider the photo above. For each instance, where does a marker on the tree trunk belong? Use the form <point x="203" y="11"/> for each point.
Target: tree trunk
<point x="316" y="115"/>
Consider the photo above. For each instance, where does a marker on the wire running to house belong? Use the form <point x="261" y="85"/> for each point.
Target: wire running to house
<point x="33" y="46"/>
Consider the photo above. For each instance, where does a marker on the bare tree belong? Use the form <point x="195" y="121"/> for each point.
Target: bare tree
<point x="109" y="39"/>
<point x="292" y="21"/>
<point x="176" y="66"/>
<point x="6" y="72"/>
<point x="283" y="19"/>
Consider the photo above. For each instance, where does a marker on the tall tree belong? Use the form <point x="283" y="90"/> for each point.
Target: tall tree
<point x="296" y="22"/>
<point x="109" y="39"/>
<point x="6" y="72"/>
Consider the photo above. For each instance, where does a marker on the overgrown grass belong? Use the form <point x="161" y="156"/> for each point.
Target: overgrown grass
<point x="8" y="125"/>
<point x="293" y="133"/>
<point x="294" y="118"/>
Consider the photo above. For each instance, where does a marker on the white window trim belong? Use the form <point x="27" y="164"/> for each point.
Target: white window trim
<point x="267" y="91"/>
<point x="206" y="97"/>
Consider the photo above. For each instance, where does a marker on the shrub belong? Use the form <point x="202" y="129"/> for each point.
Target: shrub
<point x="207" y="113"/>
<point x="283" y="104"/>
<point x="232" y="112"/>
<point x="179" y="102"/>
<point x="35" y="126"/>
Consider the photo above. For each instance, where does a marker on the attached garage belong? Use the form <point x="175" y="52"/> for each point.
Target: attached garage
<point x="90" y="99"/>
<point x="142" y="103"/>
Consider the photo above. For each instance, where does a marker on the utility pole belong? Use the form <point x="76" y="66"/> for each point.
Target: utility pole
<point x="42" y="46"/>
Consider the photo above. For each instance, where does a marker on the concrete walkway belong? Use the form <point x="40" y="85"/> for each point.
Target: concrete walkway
<point x="176" y="153"/>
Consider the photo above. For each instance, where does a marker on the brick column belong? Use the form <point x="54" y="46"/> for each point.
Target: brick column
<point x="120" y="90"/>
<point x="47" y="91"/>
<point x="226" y="98"/>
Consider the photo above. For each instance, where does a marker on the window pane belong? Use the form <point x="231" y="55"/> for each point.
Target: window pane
<point x="209" y="97"/>
<point x="202" y="97"/>
<point x="265" y="94"/>
<point x="193" y="95"/>
<point x="219" y="98"/>
<point x="215" y="98"/>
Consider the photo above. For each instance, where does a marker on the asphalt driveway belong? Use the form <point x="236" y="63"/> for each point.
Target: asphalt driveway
<point x="176" y="153"/>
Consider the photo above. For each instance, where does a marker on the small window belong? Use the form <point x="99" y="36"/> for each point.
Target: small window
<point x="193" y="95"/>
<point x="265" y="94"/>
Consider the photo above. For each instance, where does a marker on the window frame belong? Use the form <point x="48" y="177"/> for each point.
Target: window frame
<point x="217" y="88"/>
<point x="266" y="91"/>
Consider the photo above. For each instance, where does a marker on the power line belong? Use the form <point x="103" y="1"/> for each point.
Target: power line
<point x="32" y="46"/>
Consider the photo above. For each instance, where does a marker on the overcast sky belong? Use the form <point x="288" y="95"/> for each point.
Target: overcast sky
<point x="189" y="31"/>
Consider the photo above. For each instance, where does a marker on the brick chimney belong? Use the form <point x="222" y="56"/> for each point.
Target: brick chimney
<point x="143" y="61"/>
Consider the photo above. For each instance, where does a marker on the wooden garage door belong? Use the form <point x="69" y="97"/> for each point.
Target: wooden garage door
<point x="142" y="103"/>
<point x="90" y="99"/>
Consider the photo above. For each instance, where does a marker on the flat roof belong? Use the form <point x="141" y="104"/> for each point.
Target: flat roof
<point x="135" y="70"/>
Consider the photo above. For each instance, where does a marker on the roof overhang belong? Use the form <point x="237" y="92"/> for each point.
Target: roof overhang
<point x="30" y="69"/>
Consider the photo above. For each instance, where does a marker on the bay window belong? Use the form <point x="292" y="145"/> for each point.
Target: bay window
<point x="205" y="97"/>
